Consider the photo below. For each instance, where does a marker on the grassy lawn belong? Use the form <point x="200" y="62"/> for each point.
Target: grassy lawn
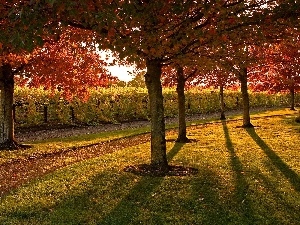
<point x="246" y="176"/>
<point x="55" y="145"/>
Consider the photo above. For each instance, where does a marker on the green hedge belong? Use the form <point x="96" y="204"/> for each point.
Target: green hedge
<point x="117" y="104"/>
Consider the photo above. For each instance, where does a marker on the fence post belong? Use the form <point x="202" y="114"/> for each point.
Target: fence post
<point x="45" y="114"/>
<point x="72" y="114"/>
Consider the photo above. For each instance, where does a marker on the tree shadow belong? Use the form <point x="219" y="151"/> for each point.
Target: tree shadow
<point x="141" y="203"/>
<point x="291" y="175"/>
<point x="128" y="208"/>
<point x="172" y="170"/>
<point x="111" y="197"/>
<point x="293" y="121"/>
<point x="127" y="200"/>
<point x="290" y="203"/>
<point x="208" y="205"/>
<point x="242" y="187"/>
<point x="174" y="151"/>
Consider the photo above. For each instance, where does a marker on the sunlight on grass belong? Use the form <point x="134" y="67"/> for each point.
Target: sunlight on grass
<point x="246" y="176"/>
<point x="55" y="145"/>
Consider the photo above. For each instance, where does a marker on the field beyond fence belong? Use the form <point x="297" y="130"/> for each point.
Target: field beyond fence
<point x="118" y="104"/>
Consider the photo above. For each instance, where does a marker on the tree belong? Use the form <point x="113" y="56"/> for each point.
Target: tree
<point x="237" y="57"/>
<point x="218" y="77"/>
<point x="178" y="76"/>
<point x="68" y="65"/>
<point x="138" y="30"/>
<point x="6" y="101"/>
<point x="10" y="64"/>
<point x="280" y="70"/>
<point x="156" y="32"/>
<point x="79" y="69"/>
<point x="239" y="65"/>
<point x="17" y="34"/>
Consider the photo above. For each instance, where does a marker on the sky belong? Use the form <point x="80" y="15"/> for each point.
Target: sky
<point x="124" y="73"/>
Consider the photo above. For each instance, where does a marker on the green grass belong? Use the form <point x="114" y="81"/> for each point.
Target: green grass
<point x="246" y="176"/>
<point x="55" y="145"/>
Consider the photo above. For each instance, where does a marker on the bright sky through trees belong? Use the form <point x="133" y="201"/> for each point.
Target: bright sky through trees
<point x="123" y="72"/>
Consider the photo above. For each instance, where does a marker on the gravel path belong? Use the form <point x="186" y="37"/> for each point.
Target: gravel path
<point x="41" y="134"/>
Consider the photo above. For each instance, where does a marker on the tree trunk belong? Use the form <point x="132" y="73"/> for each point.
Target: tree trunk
<point x="6" y="101"/>
<point x="245" y="96"/>
<point x="292" y="99"/>
<point x="158" y="140"/>
<point x="182" y="138"/>
<point x="222" y="103"/>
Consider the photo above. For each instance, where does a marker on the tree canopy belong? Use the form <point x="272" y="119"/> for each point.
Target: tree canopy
<point x="151" y="34"/>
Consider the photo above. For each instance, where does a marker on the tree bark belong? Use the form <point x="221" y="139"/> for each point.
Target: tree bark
<point x="7" y="139"/>
<point x="222" y="103"/>
<point x="182" y="138"/>
<point x="158" y="140"/>
<point x="292" y="98"/>
<point x="246" y="102"/>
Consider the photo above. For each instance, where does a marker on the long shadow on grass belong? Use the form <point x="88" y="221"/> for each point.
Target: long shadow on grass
<point x="291" y="175"/>
<point x="83" y="207"/>
<point x="206" y="203"/>
<point x="285" y="200"/>
<point x="139" y="196"/>
<point x="241" y="184"/>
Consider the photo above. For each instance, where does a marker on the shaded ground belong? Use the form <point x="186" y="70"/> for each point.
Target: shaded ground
<point x="148" y="170"/>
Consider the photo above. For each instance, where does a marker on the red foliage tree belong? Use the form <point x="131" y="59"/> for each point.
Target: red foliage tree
<point x="179" y="76"/>
<point x="280" y="70"/>
<point x="67" y="64"/>
<point x="16" y="35"/>
<point x="219" y="78"/>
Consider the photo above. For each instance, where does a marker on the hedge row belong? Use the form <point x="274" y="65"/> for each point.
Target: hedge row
<point x="119" y="104"/>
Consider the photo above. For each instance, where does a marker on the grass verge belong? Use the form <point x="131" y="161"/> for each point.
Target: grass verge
<point x="246" y="176"/>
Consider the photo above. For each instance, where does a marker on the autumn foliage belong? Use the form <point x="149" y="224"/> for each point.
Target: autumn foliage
<point x="67" y="65"/>
<point x="280" y="70"/>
